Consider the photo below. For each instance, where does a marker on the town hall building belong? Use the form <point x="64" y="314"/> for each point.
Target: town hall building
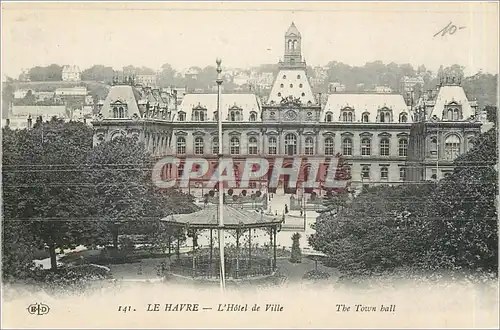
<point x="383" y="140"/>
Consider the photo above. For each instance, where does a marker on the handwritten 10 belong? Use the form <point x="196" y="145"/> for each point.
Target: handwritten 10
<point x="450" y="29"/>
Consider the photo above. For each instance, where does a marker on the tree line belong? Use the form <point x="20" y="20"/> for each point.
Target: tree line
<point x="60" y="192"/>
<point x="447" y="225"/>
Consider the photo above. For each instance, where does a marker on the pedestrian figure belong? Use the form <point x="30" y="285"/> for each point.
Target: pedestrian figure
<point x="301" y="212"/>
<point x="286" y="209"/>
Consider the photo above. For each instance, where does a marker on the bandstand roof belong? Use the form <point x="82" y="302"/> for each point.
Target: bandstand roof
<point x="234" y="218"/>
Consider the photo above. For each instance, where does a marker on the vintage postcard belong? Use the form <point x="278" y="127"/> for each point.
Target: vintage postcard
<point x="249" y="165"/>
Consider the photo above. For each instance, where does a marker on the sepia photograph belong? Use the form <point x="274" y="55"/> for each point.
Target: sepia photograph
<point x="249" y="165"/>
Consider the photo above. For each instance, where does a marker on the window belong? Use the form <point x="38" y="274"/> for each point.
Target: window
<point x="234" y="146"/>
<point x="347" y="147"/>
<point x="452" y="147"/>
<point x="279" y="94"/>
<point x="366" y="147"/>
<point x="216" y="116"/>
<point x="215" y="145"/>
<point x="199" y="115"/>
<point x="365" y="172"/>
<point x="309" y="146"/>
<point x="303" y="94"/>
<point x="182" y="116"/>
<point x="181" y="145"/>
<point x="300" y="85"/>
<point x="252" y="146"/>
<point x="347" y="116"/>
<point x="470" y="143"/>
<point x="402" y="173"/>
<point x="298" y="76"/>
<point x="291" y="85"/>
<point x="403" y="118"/>
<point x="329" y="146"/>
<point x="382" y="117"/>
<point x="115" y="112"/>
<point x="365" y="118"/>
<point x="198" y="145"/>
<point x="282" y="85"/>
<point x="384" y="172"/>
<point x="433" y="144"/>
<point x="403" y="147"/>
<point x="253" y="116"/>
<point x="328" y="117"/>
<point x="272" y="145"/>
<point x="284" y="76"/>
<point x="384" y="147"/>
<point x="456" y="114"/>
<point x="290" y="144"/>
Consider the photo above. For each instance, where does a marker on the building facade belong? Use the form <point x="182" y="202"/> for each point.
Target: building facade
<point x="373" y="131"/>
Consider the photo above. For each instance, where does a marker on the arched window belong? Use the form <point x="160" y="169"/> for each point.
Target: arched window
<point x="290" y="144"/>
<point x="216" y="116"/>
<point x="403" y="147"/>
<point x="365" y="172"/>
<point x="215" y="145"/>
<point x="347" y="116"/>
<point x="181" y="145"/>
<point x="403" y="118"/>
<point x="433" y="144"/>
<point x="290" y="44"/>
<point x="309" y="146"/>
<point x="450" y="114"/>
<point x="347" y="147"/>
<point x="235" y="146"/>
<point x="382" y="117"/>
<point x="121" y="113"/>
<point x="295" y="44"/>
<point x="272" y="145"/>
<point x="202" y="116"/>
<point x="456" y="114"/>
<point x="182" y="116"/>
<point x="384" y="147"/>
<point x="384" y="172"/>
<point x="234" y="116"/>
<point x="329" y="146"/>
<point x="366" y="147"/>
<point x="253" y="116"/>
<point x="402" y="173"/>
<point x="452" y="147"/>
<point x="252" y="146"/>
<point x="198" y="145"/>
<point x="365" y="118"/>
<point x="115" y="112"/>
<point x="328" y="118"/>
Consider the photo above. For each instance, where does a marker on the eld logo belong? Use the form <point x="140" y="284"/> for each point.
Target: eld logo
<point x="38" y="309"/>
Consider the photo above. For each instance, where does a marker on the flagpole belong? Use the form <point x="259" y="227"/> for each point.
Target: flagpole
<point x="221" y="184"/>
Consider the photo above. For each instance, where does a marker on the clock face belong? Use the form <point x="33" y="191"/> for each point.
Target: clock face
<point x="290" y="115"/>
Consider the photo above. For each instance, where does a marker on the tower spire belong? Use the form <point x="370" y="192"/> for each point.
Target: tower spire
<point x="293" y="53"/>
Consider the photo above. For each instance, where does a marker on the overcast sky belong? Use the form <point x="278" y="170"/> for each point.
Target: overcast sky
<point x="243" y="35"/>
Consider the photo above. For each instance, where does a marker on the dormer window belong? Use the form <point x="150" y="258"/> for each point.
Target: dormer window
<point x="119" y="109"/>
<point x="182" y="116"/>
<point x="403" y="117"/>
<point x="216" y="116"/>
<point x="253" y="116"/>
<point x="385" y="115"/>
<point x="329" y="117"/>
<point x="234" y="115"/>
<point x="199" y="115"/>
<point x="365" y="117"/>
<point x="347" y="115"/>
<point x="453" y="113"/>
